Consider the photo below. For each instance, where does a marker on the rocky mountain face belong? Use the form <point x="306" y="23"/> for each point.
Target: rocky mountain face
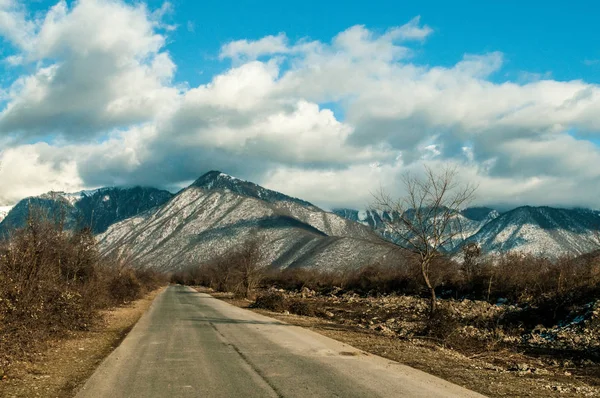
<point x="215" y="180"/>
<point x="97" y="209"/>
<point x="466" y="223"/>
<point x="218" y="213"/>
<point x="543" y="231"/>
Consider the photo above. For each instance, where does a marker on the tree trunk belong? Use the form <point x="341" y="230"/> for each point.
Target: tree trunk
<point x="425" y="273"/>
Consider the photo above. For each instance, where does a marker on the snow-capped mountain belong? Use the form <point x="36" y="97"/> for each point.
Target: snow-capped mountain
<point x="218" y="213"/>
<point x="217" y="180"/>
<point x="466" y="223"/>
<point x="543" y="231"/>
<point x="97" y="209"/>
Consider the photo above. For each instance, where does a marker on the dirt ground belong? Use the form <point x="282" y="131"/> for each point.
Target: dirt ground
<point x="500" y="373"/>
<point x="64" y="365"/>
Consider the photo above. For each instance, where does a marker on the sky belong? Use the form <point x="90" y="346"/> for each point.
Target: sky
<point x="327" y="101"/>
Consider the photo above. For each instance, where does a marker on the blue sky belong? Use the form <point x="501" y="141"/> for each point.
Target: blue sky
<point x="536" y="36"/>
<point x="552" y="38"/>
<point x="321" y="100"/>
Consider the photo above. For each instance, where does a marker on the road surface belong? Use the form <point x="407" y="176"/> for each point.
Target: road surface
<point x="190" y="344"/>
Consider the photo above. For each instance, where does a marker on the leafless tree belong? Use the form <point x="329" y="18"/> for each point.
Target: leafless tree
<point x="471" y="252"/>
<point x="425" y="221"/>
<point x="249" y="266"/>
<point x="239" y="271"/>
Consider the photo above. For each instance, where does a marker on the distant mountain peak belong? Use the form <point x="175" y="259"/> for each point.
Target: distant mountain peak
<point x="98" y="208"/>
<point x="215" y="180"/>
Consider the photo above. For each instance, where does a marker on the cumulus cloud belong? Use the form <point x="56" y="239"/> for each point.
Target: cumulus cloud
<point x="329" y="121"/>
<point x="110" y="71"/>
<point x="32" y="169"/>
<point x="14" y="25"/>
<point x="244" y="49"/>
<point x="411" y="31"/>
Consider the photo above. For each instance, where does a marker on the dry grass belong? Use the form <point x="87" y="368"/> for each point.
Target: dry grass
<point x="53" y="282"/>
<point x="64" y="365"/>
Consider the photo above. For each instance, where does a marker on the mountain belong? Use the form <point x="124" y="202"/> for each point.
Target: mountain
<point x="217" y="180"/>
<point x="218" y="213"/>
<point x="546" y="231"/>
<point x="542" y="231"/>
<point x="99" y="208"/>
<point x="467" y="222"/>
<point x="54" y="205"/>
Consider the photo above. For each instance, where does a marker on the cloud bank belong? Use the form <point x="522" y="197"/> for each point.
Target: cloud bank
<point x="95" y="103"/>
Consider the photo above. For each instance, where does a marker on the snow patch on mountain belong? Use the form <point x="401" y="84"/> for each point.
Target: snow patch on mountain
<point x="4" y="210"/>
<point x="218" y="214"/>
<point x="97" y="208"/>
<point x="541" y="231"/>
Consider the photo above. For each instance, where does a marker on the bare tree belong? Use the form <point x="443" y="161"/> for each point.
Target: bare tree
<point x="471" y="252"/>
<point x="249" y="266"/>
<point x="425" y="220"/>
<point x="239" y="271"/>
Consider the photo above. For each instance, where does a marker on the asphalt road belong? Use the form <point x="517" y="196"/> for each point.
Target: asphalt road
<point x="189" y="344"/>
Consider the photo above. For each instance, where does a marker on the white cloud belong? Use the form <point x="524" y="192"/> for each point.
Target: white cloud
<point x="32" y="169"/>
<point x="244" y="49"/>
<point x="191" y="26"/>
<point x="107" y="70"/>
<point x="14" y="25"/>
<point x="411" y="31"/>
<point x="102" y="86"/>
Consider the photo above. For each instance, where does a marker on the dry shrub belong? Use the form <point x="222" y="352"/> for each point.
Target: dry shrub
<point x="124" y="286"/>
<point x="301" y="307"/>
<point x="442" y="325"/>
<point x="240" y="271"/>
<point x="298" y="278"/>
<point x="53" y="281"/>
<point x="272" y="301"/>
<point x="378" y="279"/>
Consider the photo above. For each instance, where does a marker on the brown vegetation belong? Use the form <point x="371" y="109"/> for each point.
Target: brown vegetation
<point x="239" y="271"/>
<point x="424" y="220"/>
<point x="53" y="282"/>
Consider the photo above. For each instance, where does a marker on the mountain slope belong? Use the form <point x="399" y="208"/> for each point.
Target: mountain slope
<point x="207" y="220"/>
<point x="109" y="205"/>
<point x="467" y="223"/>
<point x="214" y="180"/>
<point x="544" y="231"/>
<point x="98" y="209"/>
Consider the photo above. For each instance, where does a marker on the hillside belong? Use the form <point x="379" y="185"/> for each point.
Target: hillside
<point x="208" y="219"/>
<point x="97" y="209"/>
<point x="543" y="231"/>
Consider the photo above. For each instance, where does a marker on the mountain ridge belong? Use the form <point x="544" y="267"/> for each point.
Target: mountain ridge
<point x="97" y="209"/>
<point x="539" y="230"/>
<point x="201" y="223"/>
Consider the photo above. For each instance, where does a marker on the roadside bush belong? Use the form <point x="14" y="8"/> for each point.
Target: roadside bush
<point x="124" y="286"/>
<point x="53" y="281"/>
<point x="272" y="301"/>
<point x="301" y="307"/>
<point x="240" y="271"/>
<point x="442" y="325"/>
